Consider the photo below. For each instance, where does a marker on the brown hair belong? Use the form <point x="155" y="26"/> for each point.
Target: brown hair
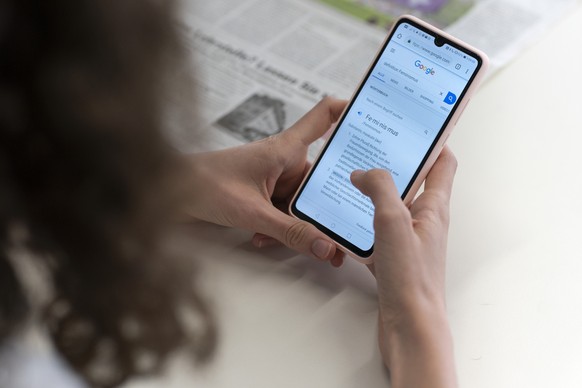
<point x="85" y="171"/>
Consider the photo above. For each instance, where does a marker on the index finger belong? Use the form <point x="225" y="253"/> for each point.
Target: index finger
<point x="441" y="176"/>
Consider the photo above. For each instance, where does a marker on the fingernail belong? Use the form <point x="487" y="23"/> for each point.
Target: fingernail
<point x="264" y="242"/>
<point x="321" y="248"/>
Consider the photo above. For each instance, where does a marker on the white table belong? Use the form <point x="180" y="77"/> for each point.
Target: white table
<point x="515" y="257"/>
<point x="514" y="269"/>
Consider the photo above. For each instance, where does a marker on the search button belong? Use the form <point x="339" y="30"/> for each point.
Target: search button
<point x="450" y="99"/>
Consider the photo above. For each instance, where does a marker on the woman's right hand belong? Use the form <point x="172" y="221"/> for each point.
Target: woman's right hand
<point x="409" y="265"/>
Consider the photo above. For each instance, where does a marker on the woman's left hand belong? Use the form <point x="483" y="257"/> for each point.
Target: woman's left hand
<point x="250" y="186"/>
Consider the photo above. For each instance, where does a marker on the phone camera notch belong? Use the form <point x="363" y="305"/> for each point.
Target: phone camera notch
<point x="439" y="41"/>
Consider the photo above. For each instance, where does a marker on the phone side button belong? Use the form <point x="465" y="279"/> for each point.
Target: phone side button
<point x="462" y="110"/>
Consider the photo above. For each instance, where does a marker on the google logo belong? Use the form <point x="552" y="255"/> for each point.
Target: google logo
<point x="427" y="70"/>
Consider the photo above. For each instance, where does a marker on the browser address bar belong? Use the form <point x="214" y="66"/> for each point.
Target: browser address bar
<point x="443" y="60"/>
<point x="409" y="64"/>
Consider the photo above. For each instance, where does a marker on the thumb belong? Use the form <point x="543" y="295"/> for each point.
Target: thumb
<point x="296" y="234"/>
<point x="379" y="186"/>
<point x="318" y="120"/>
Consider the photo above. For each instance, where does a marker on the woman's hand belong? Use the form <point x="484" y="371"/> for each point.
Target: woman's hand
<point x="409" y="265"/>
<point x="250" y="186"/>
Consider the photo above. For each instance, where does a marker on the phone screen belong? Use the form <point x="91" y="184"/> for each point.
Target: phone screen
<point x="394" y="121"/>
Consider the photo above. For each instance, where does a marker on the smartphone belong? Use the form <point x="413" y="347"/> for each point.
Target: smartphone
<point x="398" y="119"/>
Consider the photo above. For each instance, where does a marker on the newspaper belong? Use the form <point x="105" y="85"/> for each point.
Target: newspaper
<point x="259" y="65"/>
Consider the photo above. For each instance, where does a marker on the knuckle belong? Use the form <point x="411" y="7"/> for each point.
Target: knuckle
<point x="378" y="173"/>
<point x="438" y="214"/>
<point x="296" y="234"/>
<point x="442" y="214"/>
<point x="270" y="141"/>
<point x="436" y="217"/>
<point x="328" y="103"/>
<point x="454" y="160"/>
<point x="392" y="217"/>
<point x="450" y="159"/>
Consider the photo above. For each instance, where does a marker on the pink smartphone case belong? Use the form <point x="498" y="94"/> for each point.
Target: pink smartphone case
<point x="446" y="132"/>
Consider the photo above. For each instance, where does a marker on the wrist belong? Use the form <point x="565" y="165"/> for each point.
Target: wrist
<point x="194" y="187"/>
<point x="411" y="314"/>
<point x="417" y="346"/>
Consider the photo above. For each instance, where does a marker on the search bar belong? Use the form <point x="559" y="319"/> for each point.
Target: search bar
<point x="432" y="98"/>
<point x="403" y="110"/>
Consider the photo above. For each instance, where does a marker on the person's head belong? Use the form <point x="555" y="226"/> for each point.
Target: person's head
<point x="86" y="182"/>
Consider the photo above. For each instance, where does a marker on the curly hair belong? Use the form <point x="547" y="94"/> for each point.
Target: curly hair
<point x="86" y="172"/>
